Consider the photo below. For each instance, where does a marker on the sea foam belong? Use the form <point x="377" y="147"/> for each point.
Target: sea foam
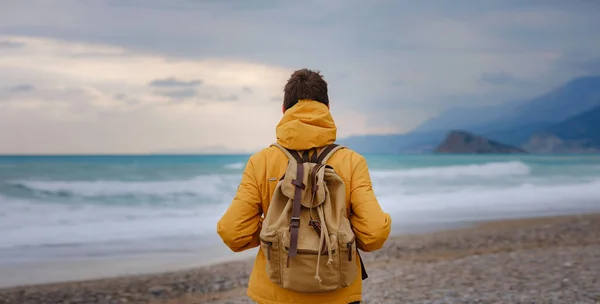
<point x="487" y="170"/>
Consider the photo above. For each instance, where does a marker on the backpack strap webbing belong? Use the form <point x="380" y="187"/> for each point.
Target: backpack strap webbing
<point x="362" y="267"/>
<point x="290" y="154"/>
<point x="313" y="158"/>
<point x="305" y="156"/>
<point x="297" y="200"/>
<point x="327" y="153"/>
<point x="296" y="208"/>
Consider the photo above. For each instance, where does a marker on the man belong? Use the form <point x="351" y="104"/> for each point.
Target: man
<point x="306" y="124"/>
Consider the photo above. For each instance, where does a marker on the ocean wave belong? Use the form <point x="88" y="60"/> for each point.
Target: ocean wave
<point x="206" y="186"/>
<point x="525" y="196"/>
<point x="30" y="224"/>
<point x="488" y="170"/>
<point x="221" y="187"/>
<point x="235" y="166"/>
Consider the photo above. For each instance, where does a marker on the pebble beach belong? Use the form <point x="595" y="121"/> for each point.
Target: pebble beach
<point x="535" y="260"/>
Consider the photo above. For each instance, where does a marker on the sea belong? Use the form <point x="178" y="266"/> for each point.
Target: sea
<point x="74" y="207"/>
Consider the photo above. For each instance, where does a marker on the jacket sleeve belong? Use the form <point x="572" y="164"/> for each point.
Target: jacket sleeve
<point x="371" y="225"/>
<point x="239" y="227"/>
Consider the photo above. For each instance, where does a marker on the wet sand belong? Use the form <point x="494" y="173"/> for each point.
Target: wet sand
<point x="551" y="259"/>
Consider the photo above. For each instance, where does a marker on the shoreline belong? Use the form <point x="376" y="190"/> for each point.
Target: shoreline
<point x="59" y="271"/>
<point x="90" y="269"/>
<point x="227" y="280"/>
<point x="43" y="272"/>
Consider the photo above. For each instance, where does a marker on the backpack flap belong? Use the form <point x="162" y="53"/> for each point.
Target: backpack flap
<point x="290" y="181"/>
<point x="313" y="186"/>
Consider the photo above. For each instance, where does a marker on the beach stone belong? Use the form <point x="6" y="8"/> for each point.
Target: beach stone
<point x="159" y="291"/>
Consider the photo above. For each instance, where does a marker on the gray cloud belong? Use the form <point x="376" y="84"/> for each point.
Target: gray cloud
<point x="228" y="98"/>
<point x="216" y="97"/>
<point x="173" y="82"/>
<point x="10" y="44"/>
<point x="498" y="78"/>
<point x="120" y="96"/>
<point x="251" y="23"/>
<point x="236" y="5"/>
<point x="182" y="90"/>
<point x="329" y="25"/>
<point x="127" y="99"/>
<point x="176" y="89"/>
<point x="21" y="88"/>
<point x="178" y="94"/>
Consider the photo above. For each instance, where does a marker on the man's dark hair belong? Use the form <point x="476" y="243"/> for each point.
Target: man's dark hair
<point x="305" y="84"/>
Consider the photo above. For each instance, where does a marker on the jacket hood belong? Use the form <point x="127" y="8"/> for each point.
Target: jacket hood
<point x="306" y="125"/>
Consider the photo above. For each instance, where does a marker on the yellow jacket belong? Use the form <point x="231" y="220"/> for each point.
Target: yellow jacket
<point x="308" y="124"/>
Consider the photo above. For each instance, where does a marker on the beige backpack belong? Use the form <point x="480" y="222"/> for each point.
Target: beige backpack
<point x="306" y="235"/>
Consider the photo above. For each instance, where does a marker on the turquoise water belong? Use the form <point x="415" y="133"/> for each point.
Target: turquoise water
<point x="103" y="205"/>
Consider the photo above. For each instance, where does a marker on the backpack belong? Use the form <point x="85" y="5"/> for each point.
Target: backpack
<point x="306" y="235"/>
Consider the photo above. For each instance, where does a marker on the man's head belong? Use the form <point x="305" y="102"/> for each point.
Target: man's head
<point x="305" y="84"/>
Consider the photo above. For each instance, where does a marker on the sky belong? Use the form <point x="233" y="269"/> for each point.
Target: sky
<point x="149" y="76"/>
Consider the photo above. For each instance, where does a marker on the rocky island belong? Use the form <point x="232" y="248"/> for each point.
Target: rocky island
<point x="462" y="142"/>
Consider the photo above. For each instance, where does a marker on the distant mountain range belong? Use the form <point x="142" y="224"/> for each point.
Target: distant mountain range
<point x="578" y="134"/>
<point x="564" y="120"/>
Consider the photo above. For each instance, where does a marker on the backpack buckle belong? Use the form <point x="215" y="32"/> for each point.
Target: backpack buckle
<point x="295" y="221"/>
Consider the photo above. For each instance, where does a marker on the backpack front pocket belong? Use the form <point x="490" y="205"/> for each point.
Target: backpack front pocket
<point x="270" y="246"/>
<point x="348" y="260"/>
<point x="307" y="272"/>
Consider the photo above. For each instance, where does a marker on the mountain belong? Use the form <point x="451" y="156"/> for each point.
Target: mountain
<point x="519" y="135"/>
<point x="462" y="142"/>
<point x="513" y="123"/>
<point x="574" y="97"/>
<point x="578" y="134"/>
<point x="483" y="118"/>
<point x="577" y="96"/>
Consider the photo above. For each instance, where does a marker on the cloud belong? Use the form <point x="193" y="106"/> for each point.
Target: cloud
<point x="96" y="104"/>
<point x="172" y="82"/>
<point x="120" y="96"/>
<point x="178" y="93"/>
<point x="186" y="91"/>
<point x="10" y="44"/>
<point x="176" y="89"/>
<point x="128" y="100"/>
<point x="410" y="61"/>
<point x="499" y="78"/>
<point x="228" y="98"/>
<point x="21" y="88"/>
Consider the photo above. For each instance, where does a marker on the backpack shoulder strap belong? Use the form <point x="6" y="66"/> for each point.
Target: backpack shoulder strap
<point x="290" y="154"/>
<point x="296" y="201"/>
<point x="328" y="152"/>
